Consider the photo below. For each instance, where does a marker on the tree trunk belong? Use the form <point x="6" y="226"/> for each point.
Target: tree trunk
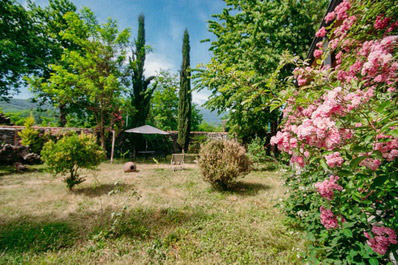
<point x="274" y="129"/>
<point x="62" y="115"/>
<point x="102" y="131"/>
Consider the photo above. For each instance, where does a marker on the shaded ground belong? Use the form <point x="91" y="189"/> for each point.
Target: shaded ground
<point x="154" y="216"/>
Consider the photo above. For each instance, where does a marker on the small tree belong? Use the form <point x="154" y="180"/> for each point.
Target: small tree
<point x="256" y="150"/>
<point x="70" y="154"/>
<point x="222" y="162"/>
<point x="31" y="137"/>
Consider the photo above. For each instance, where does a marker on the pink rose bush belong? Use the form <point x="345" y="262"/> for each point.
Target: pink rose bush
<point x="321" y="32"/>
<point x="326" y="187"/>
<point x="340" y="127"/>
<point x="328" y="219"/>
<point x="383" y="238"/>
<point x="334" y="160"/>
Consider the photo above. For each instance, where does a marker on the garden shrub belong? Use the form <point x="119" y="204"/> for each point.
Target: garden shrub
<point x="256" y="150"/>
<point x="222" y="162"/>
<point x="196" y="142"/>
<point x="341" y="130"/>
<point x="70" y="154"/>
<point x="31" y="137"/>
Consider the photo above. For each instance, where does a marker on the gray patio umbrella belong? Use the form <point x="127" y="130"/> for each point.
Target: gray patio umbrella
<point x="146" y="129"/>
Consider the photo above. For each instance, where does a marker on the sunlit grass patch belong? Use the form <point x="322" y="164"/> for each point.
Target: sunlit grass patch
<point x="154" y="216"/>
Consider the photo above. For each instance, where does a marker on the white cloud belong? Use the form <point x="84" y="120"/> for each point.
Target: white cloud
<point x="156" y="62"/>
<point x="200" y="97"/>
<point x="176" y="31"/>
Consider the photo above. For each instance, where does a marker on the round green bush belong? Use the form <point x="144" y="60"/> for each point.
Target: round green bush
<point x="70" y="154"/>
<point x="223" y="162"/>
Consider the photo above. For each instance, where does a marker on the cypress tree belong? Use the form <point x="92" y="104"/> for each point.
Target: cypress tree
<point x="141" y="93"/>
<point x="185" y="96"/>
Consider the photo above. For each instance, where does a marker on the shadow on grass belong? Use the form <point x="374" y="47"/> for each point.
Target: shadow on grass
<point x="32" y="234"/>
<point x="271" y="166"/>
<point x="102" y="189"/>
<point x="145" y="222"/>
<point x="10" y="170"/>
<point x="25" y="236"/>
<point x="247" y="188"/>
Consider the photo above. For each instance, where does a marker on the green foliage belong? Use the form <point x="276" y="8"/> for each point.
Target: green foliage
<point x="164" y="104"/>
<point x="31" y="137"/>
<point x="196" y="117"/>
<point x="28" y="237"/>
<point x="196" y="142"/>
<point x="70" y="154"/>
<point x="256" y="150"/>
<point x="42" y="118"/>
<point x="22" y="46"/>
<point x="207" y="127"/>
<point x="141" y="92"/>
<point x="185" y="96"/>
<point x="91" y="78"/>
<point x="223" y="162"/>
<point x="250" y="38"/>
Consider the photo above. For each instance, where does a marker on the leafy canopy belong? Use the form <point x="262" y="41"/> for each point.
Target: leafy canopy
<point x="250" y="38"/>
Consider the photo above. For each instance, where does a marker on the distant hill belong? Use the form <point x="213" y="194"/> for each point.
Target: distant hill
<point x="211" y="117"/>
<point x="16" y="105"/>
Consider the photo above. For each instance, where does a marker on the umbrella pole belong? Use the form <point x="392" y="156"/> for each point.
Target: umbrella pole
<point x="113" y="145"/>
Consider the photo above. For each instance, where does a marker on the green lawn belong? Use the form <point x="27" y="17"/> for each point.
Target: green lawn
<point x="155" y="216"/>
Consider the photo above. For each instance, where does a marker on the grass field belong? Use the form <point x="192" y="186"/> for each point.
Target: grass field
<point x="154" y="216"/>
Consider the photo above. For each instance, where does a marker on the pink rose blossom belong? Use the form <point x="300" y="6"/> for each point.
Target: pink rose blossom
<point x="321" y="32"/>
<point x="318" y="53"/>
<point x="319" y="45"/>
<point x="326" y="187"/>
<point x="298" y="160"/>
<point x="328" y="219"/>
<point x="334" y="160"/>
<point x="334" y="43"/>
<point x="330" y="16"/>
<point x="341" y="10"/>
<point x="372" y="164"/>
<point x="381" y="22"/>
<point x="383" y="238"/>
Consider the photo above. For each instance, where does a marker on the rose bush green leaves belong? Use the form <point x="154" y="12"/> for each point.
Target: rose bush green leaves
<point x="70" y="154"/>
<point x="340" y="129"/>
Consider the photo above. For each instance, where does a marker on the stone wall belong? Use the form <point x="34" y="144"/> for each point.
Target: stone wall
<point x="209" y="135"/>
<point x="9" y="134"/>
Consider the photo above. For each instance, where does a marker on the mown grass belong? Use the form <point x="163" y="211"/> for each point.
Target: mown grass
<point x="154" y="216"/>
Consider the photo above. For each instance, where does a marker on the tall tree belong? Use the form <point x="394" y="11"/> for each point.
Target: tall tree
<point x="22" y="47"/>
<point x="93" y="76"/>
<point x="250" y="38"/>
<point x="185" y="96"/>
<point x="52" y="22"/>
<point x="164" y="104"/>
<point x="142" y="92"/>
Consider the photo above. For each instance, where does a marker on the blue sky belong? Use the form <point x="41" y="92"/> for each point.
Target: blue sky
<point x="165" y="21"/>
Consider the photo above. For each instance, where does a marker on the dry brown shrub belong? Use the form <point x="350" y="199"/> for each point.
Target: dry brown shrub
<point x="222" y="162"/>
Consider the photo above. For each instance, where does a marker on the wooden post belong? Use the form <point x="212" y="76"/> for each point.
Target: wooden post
<point x="113" y="145"/>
